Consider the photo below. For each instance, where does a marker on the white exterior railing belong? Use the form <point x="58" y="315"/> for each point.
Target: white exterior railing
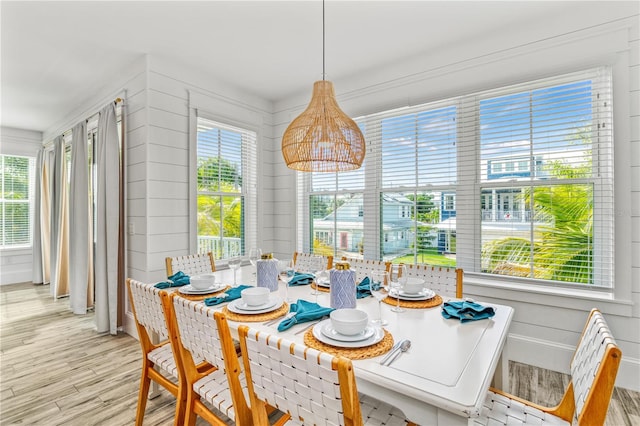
<point x="221" y="248"/>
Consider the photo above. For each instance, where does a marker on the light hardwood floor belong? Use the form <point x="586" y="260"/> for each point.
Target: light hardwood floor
<point x="56" y="370"/>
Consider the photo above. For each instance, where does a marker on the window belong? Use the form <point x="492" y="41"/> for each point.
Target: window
<point x="563" y="126"/>
<point x="226" y="164"/>
<point x="449" y="202"/>
<point x="336" y="214"/>
<point x="332" y="213"/>
<point x="16" y="180"/>
<point x="522" y="175"/>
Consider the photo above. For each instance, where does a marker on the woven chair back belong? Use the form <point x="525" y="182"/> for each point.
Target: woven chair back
<point x="444" y="281"/>
<point x="309" y="262"/>
<point x="307" y="384"/>
<point x="148" y="308"/>
<point x="198" y="331"/>
<point x="192" y="264"/>
<point x="363" y="267"/>
<point x="592" y="375"/>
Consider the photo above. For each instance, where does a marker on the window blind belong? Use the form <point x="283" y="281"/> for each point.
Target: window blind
<point x="515" y="181"/>
<point x="335" y="213"/>
<point x="226" y="179"/>
<point x="16" y="201"/>
<point x="544" y="179"/>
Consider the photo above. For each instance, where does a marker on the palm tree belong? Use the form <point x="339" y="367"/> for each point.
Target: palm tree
<point x="562" y="249"/>
<point x="210" y="212"/>
<point x="566" y="249"/>
<point x="219" y="215"/>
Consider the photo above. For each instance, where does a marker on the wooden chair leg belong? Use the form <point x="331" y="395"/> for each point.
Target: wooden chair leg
<point x="145" y="382"/>
<point x="260" y="416"/>
<point x="181" y="403"/>
<point x="189" y="412"/>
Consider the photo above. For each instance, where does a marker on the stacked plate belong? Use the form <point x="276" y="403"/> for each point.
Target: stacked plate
<point x="323" y="282"/>
<point x="239" y="307"/>
<point x="425" y="294"/>
<point x="324" y="332"/>
<point x="189" y="289"/>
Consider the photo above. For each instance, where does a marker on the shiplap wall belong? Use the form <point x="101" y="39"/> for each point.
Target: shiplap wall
<point x="546" y="326"/>
<point x="634" y="137"/>
<point x="16" y="264"/>
<point x="136" y="126"/>
<point x="634" y="115"/>
<point x="159" y="145"/>
<point x="171" y="91"/>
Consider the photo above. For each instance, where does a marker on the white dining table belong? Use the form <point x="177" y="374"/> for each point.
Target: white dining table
<point x="444" y="376"/>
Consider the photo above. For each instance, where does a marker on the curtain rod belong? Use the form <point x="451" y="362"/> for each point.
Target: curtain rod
<point x="66" y="132"/>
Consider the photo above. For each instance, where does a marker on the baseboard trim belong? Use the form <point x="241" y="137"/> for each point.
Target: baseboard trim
<point x="15" y="277"/>
<point x="557" y="357"/>
<point x="130" y="325"/>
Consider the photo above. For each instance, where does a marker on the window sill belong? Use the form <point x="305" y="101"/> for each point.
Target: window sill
<point x="16" y="251"/>
<point x="569" y="298"/>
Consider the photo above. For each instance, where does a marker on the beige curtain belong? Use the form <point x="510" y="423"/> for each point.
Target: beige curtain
<point x="36" y="275"/>
<point x="45" y="217"/>
<point x="59" y="223"/>
<point x="91" y="276"/>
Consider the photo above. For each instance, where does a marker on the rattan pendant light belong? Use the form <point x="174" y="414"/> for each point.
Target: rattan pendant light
<point x="323" y="138"/>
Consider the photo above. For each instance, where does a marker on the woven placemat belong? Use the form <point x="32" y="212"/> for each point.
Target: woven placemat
<point x="377" y="349"/>
<point x="199" y="297"/>
<point x="319" y="288"/>
<point x="282" y="310"/>
<point x="415" y="304"/>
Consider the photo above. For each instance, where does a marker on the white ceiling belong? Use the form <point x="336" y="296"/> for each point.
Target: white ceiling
<point x="56" y="55"/>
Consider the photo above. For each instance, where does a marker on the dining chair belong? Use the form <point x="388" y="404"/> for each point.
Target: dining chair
<point x="309" y="386"/>
<point x="444" y="281"/>
<point x="586" y="400"/>
<point x="310" y="262"/>
<point x="364" y="266"/>
<point x="198" y="332"/>
<point x="192" y="264"/>
<point x="148" y="313"/>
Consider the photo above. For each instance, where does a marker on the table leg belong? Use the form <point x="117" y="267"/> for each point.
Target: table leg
<point x="501" y="375"/>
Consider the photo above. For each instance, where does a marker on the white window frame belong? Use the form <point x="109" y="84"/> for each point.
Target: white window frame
<point x="467" y="201"/>
<point x="29" y="201"/>
<point x="249" y="179"/>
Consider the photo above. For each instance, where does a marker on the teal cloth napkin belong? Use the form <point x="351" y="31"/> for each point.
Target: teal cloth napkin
<point x="466" y="311"/>
<point x="305" y="311"/>
<point x="363" y="289"/>
<point x="176" y="280"/>
<point x="231" y="294"/>
<point x="301" y="278"/>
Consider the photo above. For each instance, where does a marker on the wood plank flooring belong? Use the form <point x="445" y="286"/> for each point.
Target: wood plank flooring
<point x="56" y="370"/>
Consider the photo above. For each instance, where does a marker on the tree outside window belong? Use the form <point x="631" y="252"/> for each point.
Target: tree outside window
<point x="16" y="181"/>
<point x="221" y="167"/>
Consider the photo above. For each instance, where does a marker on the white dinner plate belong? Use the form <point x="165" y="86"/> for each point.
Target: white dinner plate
<point x="378" y="335"/>
<point x="240" y="304"/>
<point x="323" y="283"/>
<point x="425" y="294"/>
<point x="237" y="305"/>
<point x="188" y="289"/>
<point x="331" y="332"/>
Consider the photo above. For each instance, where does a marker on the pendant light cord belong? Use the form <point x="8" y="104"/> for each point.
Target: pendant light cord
<point x="323" y="55"/>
